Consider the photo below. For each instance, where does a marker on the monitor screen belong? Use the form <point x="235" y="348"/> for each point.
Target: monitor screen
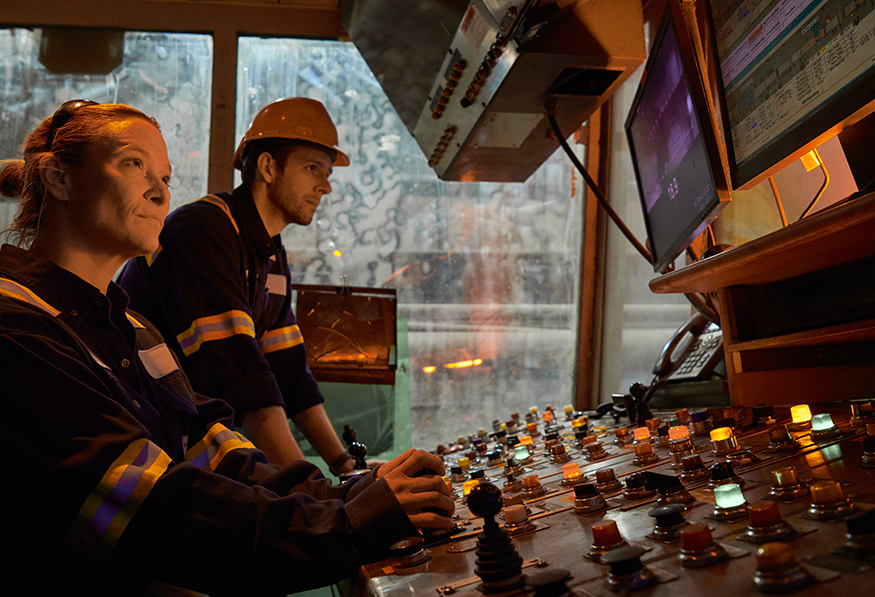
<point x="673" y="145"/>
<point x="794" y="74"/>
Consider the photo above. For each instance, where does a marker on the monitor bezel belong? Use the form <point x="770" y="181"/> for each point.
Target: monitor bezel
<point x="824" y="122"/>
<point x="707" y="121"/>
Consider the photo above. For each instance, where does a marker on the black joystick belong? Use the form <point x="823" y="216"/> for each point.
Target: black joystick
<point x="499" y="565"/>
<point x="355" y="448"/>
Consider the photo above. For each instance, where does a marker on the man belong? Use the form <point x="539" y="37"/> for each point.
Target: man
<point x="218" y="288"/>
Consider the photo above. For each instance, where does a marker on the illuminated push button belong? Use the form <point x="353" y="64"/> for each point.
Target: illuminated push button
<point x="781" y="441"/>
<point x="723" y="441"/>
<point x="527" y="440"/>
<point x="532" y="487"/>
<point x="800" y="416"/>
<point x="464" y="462"/>
<point x="606" y="480"/>
<point x="622" y="436"/>
<point x="627" y="573"/>
<point x="587" y="498"/>
<point x="482" y="448"/>
<point x="652" y="425"/>
<point x="777" y="570"/>
<point x="589" y="439"/>
<point x="532" y="429"/>
<point x="569" y="412"/>
<point x="605" y="537"/>
<point x="721" y="473"/>
<point x="548" y="445"/>
<point x="828" y="502"/>
<point x="467" y="486"/>
<point x="572" y="475"/>
<point x="668" y="522"/>
<point x="641" y="435"/>
<point x="644" y="454"/>
<point x="595" y="451"/>
<point x="693" y="469"/>
<point x="698" y="548"/>
<point x="786" y="486"/>
<point x="767" y="524"/>
<point x="860" y="538"/>
<point x="731" y="504"/>
<point x="683" y="415"/>
<point x="521" y="452"/>
<point x="679" y="432"/>
<point x="516" y="520"/>
<point x="638" y="487"/>
<point x="823" y="429"/>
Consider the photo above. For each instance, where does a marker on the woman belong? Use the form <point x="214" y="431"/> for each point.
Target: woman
<point x="120" y="474"/>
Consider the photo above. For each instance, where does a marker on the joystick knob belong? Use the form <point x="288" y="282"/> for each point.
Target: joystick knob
<point x="498" y="564"/>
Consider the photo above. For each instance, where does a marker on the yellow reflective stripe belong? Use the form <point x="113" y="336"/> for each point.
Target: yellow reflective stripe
<point x="17" y="291"/>
<point x="215" y="327"/>
<point x="214" y="200"/>
<point x="281" y="339"/>
<point x="110" y="507"/>
<point x="210" y="451"/>
<point x="134" y="321"/>
<point x="151" y="257"/>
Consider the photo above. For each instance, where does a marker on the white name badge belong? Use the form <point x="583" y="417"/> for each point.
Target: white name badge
<point x="158" y="361"/>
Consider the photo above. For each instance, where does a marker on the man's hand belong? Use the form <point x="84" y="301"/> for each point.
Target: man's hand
<point x="416" y="493"/>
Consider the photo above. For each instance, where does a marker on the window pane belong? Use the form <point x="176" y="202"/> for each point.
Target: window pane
<point x="166" y="75"/>
<point x="485" y="272"/>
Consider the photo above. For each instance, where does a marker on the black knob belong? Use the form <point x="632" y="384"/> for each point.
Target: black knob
<point x="637" y="481"/>
<point x="485" y="500"/>
<point x="722" y="471"/>
<point x="671" y="515"/>
<point x="624" y="560"/>
<point x="861" y="524"/>
<point x="550" y="583"/>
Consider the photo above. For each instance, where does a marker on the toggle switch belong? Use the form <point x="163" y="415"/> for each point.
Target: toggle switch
<point x="723" y="472"/>
<point x="780" y="440"/>
<point x="595" y="451"/>
<point x="777" y="570"/>
<point x="606" y="480"/>
<point x="698" y="548"/>
<point x="638" y="487"/>
<point x="767" y="524"/>
<point x="860" y="538"/>
<point x="512" y="484"/>
<point x="694" y="470"/>
<point x="587" y="498"/>
<point x="644" y="454"/>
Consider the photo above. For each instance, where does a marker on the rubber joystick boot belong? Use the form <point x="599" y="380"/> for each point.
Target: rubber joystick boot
<point x="498" y="564"/>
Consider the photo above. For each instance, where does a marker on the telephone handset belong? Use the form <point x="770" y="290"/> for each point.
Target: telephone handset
<point x="692" y="353"/>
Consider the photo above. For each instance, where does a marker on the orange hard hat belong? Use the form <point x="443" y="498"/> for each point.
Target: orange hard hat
<point x="298" y="118"/>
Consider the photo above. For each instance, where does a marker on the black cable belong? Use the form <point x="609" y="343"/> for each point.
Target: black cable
<point x="551" y="116"/>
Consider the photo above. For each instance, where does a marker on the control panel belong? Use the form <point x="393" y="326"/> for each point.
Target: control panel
<point x="721" y="501"/>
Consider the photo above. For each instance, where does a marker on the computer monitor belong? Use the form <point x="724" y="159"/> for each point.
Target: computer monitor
<point x="672" y="140"/>
<point x="794" y="73"/>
